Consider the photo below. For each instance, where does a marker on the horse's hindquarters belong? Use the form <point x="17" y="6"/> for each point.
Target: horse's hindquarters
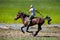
<point x="37" y="20"/>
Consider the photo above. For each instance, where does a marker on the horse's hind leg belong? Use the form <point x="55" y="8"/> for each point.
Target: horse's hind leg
<point x="49" y="21"/>
<point x="22" y="29"/>
<point x="39" y="28"/>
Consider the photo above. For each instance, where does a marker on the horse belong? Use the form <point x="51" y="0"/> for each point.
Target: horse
<point x="36" y="20"/>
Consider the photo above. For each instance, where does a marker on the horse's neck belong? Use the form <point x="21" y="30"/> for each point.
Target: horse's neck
<point x="23" y="17"/>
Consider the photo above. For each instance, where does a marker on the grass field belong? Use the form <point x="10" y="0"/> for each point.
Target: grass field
<point x="33" y="38"/>
<point x="9" y="9"/>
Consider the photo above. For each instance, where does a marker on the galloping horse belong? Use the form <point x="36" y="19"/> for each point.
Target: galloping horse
<point x="36" y="20"/>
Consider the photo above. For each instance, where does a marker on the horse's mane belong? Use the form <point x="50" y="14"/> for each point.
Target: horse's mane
<point x="24" y="14"/>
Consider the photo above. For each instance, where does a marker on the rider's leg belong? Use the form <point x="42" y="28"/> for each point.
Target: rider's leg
<point x="30" y="18"/>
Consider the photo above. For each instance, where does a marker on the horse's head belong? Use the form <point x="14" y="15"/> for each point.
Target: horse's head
<point x="19" y="15"/>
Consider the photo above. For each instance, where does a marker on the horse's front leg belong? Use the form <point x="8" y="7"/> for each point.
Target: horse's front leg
<point x="22" y="29"/>
<point x="28" y="28"/>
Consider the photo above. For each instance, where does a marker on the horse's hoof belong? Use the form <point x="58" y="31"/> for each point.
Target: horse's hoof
<point x="23" y="32"/>
<point x="34" y="35"/>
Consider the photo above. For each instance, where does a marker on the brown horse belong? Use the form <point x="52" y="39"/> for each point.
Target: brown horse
<point x="35" y="20"/>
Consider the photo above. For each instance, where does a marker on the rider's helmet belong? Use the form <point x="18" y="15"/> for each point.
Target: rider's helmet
<point x="31" y="6"/>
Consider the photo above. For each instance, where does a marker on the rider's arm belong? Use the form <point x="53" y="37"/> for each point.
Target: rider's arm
<point x="39" y="12"/>
<point x="29" y="10"/>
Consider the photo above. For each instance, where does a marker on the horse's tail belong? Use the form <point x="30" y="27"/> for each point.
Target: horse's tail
<point x="48" y="19"/>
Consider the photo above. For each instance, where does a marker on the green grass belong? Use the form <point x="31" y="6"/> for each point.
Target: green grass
<point x="9" y="9"/>
<point x="31" y="38"/>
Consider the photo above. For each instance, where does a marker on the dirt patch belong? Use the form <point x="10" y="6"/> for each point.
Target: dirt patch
<point x="18" y="33"/>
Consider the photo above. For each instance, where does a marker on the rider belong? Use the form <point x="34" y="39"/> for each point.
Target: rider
<point x="32" y="11"/>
